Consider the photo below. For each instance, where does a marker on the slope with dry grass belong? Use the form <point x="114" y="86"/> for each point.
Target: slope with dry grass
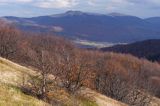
<point x="12" y="75"/>
<point x="10" y="80"/>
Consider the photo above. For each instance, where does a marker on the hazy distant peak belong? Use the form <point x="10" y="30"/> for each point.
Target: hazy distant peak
<point x="117" y="14"/>
<point x="71" y="12"/>
<point x="74" y="13"/>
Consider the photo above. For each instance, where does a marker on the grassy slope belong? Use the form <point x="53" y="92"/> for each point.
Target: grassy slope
<point x="12" y="75"/>
<point x="12" y="96"/>
<point x="10" y="78"/>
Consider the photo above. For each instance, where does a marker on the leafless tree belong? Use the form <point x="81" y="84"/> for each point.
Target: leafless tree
<point x="41" y="58"/>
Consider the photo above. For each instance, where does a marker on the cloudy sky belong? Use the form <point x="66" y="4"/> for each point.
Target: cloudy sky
<point x="30" y="8"/>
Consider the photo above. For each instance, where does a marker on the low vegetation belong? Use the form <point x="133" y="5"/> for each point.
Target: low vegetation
<point x="13" y="96"/>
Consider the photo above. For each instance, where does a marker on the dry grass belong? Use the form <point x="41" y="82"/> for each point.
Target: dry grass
<point x="155" y="102"/>
<point x="11" y="76"/>
<point x="100" y="99"/>
<point x="12" y="96"/>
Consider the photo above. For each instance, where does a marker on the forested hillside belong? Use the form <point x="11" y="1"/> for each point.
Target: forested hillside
<point x="149" y="49"/>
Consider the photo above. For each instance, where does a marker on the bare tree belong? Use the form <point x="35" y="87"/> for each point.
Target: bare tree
<point x="42" y="58"/>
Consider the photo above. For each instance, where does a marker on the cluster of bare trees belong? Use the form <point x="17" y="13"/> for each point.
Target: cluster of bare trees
<point x="9" y="38"/>
<point x="51" y="55"/>
<point x="111" y="74"/>
<point x="122" y="89"/>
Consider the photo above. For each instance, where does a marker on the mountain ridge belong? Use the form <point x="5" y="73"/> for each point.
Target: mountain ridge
<point x="114" y="27"/>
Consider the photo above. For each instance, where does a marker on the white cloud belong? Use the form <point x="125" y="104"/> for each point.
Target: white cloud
<point x="155" y="1"/>
<point x="6" y="2"/>
<point x="45" y="3"/>
<point x="56" y="3"/>
<point x="15" y="1"/>
<point x="110" y="5"/>
<point x="92" y="2"/>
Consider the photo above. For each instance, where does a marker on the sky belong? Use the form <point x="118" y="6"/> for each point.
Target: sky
<point x="32" y="8"/>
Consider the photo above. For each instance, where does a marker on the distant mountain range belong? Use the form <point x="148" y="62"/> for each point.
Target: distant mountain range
<point x="113" y="27"/>
<point x="149" y="49"/>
